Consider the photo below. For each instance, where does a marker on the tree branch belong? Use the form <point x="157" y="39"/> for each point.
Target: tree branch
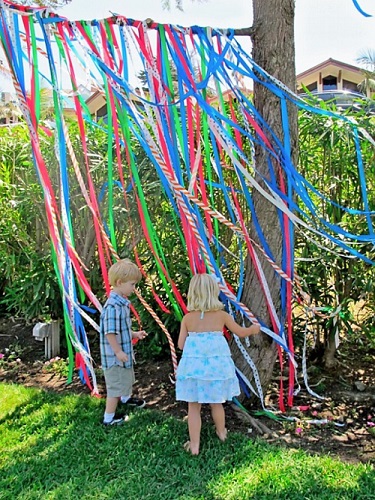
<point x="151" y="24"/>
<point x="255" y="423"/>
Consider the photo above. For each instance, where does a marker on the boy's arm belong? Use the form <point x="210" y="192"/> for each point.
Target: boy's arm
<point x="139" y="335"/>
<point x="120" y="354"/>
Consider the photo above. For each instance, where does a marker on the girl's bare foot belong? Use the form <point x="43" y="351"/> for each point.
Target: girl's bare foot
<point x="191" y="449"/>
<point x="222" y="435"/>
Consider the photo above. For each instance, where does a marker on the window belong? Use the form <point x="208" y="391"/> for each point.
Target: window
<point x="313" y="87"/>
<point x="103" y="111"/>
<point x="330" y="83"/>
<point x="346" y="85"/>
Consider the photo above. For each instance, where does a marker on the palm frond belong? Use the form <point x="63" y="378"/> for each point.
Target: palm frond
<point x="367" y="58"/>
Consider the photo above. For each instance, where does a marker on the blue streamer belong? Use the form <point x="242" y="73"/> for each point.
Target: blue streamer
<point x="356" y="4"/>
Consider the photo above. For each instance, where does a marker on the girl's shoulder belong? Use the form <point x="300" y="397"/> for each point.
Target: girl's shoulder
<point x="190" y="316"/>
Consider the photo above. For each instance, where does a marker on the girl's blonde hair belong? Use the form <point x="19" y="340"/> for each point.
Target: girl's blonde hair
<point x="203" y="294"/>
<point x="123" y="270"/>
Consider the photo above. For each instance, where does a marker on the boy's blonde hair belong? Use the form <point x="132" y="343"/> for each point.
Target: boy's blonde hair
<point x="203" y="294"/>
<point x="123" y="270"/>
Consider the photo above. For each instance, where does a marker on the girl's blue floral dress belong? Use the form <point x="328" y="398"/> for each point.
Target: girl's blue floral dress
<point x="206" y="372"/>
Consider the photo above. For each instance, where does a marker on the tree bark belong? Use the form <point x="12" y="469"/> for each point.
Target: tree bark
<point x="274" y="51"/>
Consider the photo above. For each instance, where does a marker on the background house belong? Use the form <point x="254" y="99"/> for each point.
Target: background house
<point x="97" y="104"/>
<point x="326" y="76"/>
<point x="9" y="110"/>
<point x="330" y="75"/>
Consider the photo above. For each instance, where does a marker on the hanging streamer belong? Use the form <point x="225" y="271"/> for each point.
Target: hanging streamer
<point x="356" y="4"/>
<point x="198" y="128"/>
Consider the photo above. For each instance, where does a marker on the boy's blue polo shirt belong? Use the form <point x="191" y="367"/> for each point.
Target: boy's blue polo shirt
<point x="115" y="318"/>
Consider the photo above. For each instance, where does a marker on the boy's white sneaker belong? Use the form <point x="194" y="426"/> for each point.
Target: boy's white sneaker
<point x="116" y="421"/>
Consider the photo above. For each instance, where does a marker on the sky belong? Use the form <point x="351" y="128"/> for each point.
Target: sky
<point x="323" y="28"/>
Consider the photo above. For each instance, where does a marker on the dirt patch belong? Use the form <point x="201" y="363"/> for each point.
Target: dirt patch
<point x="342" y="424"/>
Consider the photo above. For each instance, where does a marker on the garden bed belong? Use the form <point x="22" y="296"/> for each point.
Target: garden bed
<point x="344" y="420"/>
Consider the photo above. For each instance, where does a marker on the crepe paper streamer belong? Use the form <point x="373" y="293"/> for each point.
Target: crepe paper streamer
<point x="257" y="413"/>
<point x="163" y="328"/>
<point x="202" y="150"/>
<point x="356" y="4"/>
<point x="268" y="414"/>
<point x="240" y="405"/>
<point x="301" y="408"/>
<point x="80" y="364"/>
<point x="324" y="421"/>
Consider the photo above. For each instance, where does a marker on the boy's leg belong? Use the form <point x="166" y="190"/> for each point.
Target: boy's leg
<point x="195" y="424"/>
<point x="218" y="416"/>
<point x="110" y="410"/>
<point x="113" y="386"/>
<point x="128" y="380"/>
<point x="111" y="405"/>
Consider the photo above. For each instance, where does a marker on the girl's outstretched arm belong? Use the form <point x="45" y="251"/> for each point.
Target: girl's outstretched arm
<point x="240" y="330"/>
<point x="183" y="334"/>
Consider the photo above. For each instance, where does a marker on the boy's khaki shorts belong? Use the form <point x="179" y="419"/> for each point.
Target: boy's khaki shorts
<point x="119" y="381"/>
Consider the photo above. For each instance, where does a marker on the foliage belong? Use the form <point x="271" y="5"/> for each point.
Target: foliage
<point x="9" y="110"/>
<point x="28" y="285"/>
<point x="55" y="4"/>
<point x="367" y="58"/>
<point x="179" y="4"/>
<point x="328" y="161"/>
<point x="42" y="436"/>
<point x="11" y="354"/>
<point x="167" y="4"/>
<point x="58" y="366"/>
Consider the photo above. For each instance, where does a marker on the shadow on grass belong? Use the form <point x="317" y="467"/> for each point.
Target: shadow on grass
<point x="54" y="446"/>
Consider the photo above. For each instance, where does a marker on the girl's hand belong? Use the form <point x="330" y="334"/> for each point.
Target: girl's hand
<point x="254" y="330"/>
<point x="139" y="335"/>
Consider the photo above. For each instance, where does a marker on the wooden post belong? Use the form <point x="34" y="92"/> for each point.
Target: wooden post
<point x="52" y="340"/>
<point x="50" y="333"/>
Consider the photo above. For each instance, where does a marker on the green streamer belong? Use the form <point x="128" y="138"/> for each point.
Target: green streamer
<point x="124" y="120"/>
<point x="67" y="326"/>
<point x="110" y="167"/>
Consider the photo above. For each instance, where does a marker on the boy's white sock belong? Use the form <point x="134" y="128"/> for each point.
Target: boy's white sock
<point x="108" y="417"/>
<point x="124" y="399"/>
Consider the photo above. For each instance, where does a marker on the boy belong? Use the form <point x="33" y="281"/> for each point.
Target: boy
<point x="116" y="340"/>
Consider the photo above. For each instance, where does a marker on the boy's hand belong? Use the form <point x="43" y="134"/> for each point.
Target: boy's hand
<point x="139" y="335"/>
<point x="122" y="356"/>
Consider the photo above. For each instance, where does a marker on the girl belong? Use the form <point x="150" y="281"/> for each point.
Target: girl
<point x="206" y="372"/>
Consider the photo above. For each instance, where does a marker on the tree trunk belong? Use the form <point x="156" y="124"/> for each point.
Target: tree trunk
<point x="329" y="359"/>
<point x="273" y="50"/>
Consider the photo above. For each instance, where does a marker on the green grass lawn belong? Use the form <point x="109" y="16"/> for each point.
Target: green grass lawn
<point x="54" y="447"/>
